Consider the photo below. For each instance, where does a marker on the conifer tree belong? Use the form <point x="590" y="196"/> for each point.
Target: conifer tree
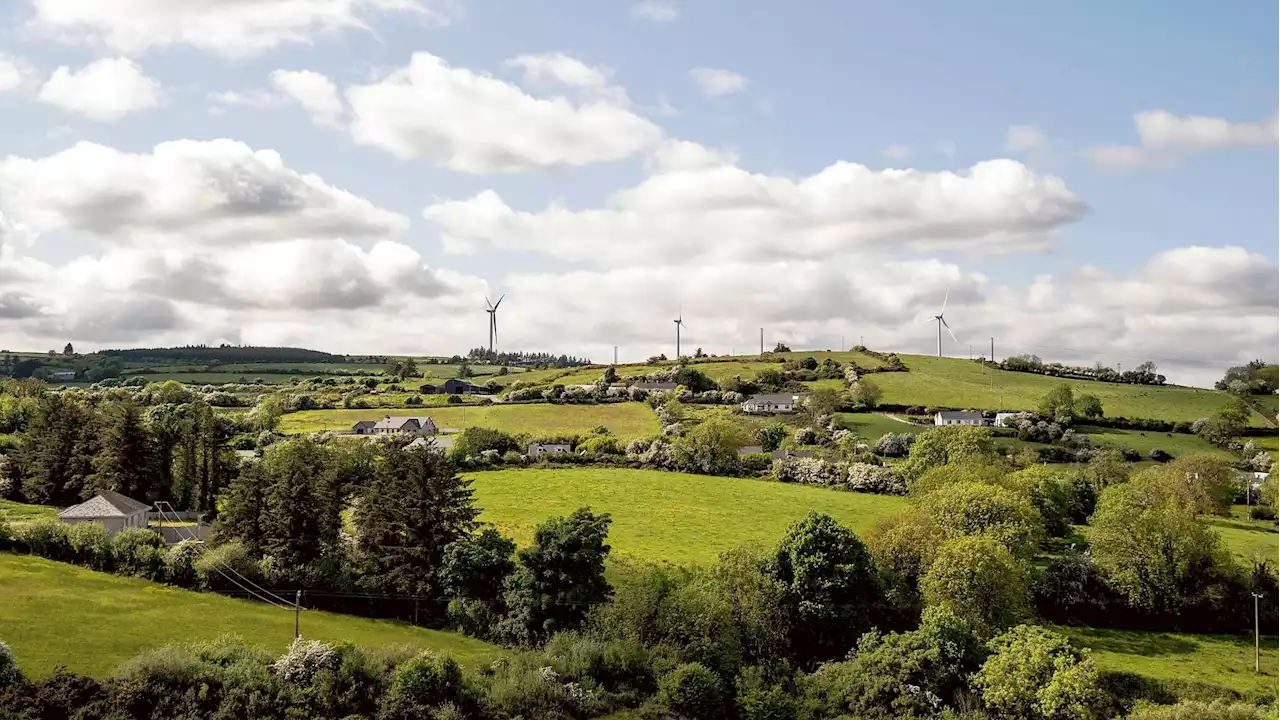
<point x="125" y="461"/>
<point x="56" y="451"/>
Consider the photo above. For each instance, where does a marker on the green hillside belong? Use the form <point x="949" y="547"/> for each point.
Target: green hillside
<point x="53" y="613"/>
<point x="626" y="420"/>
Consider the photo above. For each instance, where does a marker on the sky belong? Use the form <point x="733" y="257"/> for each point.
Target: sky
<point x="1088" y="182"/>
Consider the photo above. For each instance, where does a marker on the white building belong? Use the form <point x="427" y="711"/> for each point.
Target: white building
<point x="62" y="375"/>
<point x="957" y="417"/>
<point x="771" y="404"/>
<point x="540" y="449"/>
<point x="1001" y="417"/>
<point x="389" y="425"/>
<point x="110" y="509"/>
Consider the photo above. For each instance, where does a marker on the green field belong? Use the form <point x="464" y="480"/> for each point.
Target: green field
<point x="17" y="512"/>
<point x="1247" y="539"/>
<point x="1222" y="660"/>
<point x="626" y="420"/>
<point x="667" y="516"/>
<point x="870" y="426"/>
<point x="1176" y="444"/>
<point x="962" y="383"/>
<point x="57" y="614"/>
<point x="215" y="378"/>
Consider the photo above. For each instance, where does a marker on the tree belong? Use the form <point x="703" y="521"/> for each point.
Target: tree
<point x="771" y="379"/>
<point x="1089" y="406"/>
<point x="822" y="402"/>
<point x="412" y="509"/>
<point x="409" y="369"/>
<point x="68" y="350"/>
<point x="980" y="581"/>
<point x="1148" y="544"/>
<point x="1036" y="673"/>
<point x="692" y="691"/>
<point x="948" y="444"/>
<point x="781" y="348"/>
<point x="1059" y="403"/>
<point x="1225" y="425"/>
<point x="610" y="376"/>
<point x="125" y="461"/>
<point x="1206" y="484"/>
<point x="1106" y="468"/>
<point x="473" y="566"/>
<point x="56" y="452"/>
<point x="1253" y="378"/>
<point x="831" y="583"/>
<point x="770" y="436"/>
<point x="559" y="578"/>
<point x="968" y="509"/>
<point x="302" y="520"/>
<point x="244" y="509"/>
<point x="711" y="447"/>
<point x="866" y="394"/>
<point x="464" y="371"/>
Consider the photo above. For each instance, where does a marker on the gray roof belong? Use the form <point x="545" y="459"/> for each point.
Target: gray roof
<point x="442" y="443"/>
<point x="655" y="385"/>
<point x="779" y="454"/>
<point x="959" y="414"/>
<point x="365" y="423"/>
<point x="108" y="503"/>
<point x="774" y="399"/>
<point x="395" y="422"/>
<point x="750" y="449"/>
<point x="549" y="446"/>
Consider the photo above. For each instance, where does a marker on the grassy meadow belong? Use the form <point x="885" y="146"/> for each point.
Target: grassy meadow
<point x="1222" y="660"/>
<point x="665" y="516"/>
<point x="1247" y="539"/>
<point x="1176" y="444"/>
<point x="626" y="420"/>
<point x="53" y="613"/>
<point x="18" y="512"/>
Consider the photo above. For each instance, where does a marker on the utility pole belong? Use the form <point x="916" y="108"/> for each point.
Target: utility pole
<point x="297" y="610"/>
<point x="761" y="341"/>
<point x="842" y="343"/>
<point x="1257" y="662"/>
<point x="615" y="354"/>
<point x="993" y="349"/>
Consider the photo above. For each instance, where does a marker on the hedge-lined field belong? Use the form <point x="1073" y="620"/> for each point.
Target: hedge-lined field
<point x="52" y="613"/>
<point x="626" y="420"/>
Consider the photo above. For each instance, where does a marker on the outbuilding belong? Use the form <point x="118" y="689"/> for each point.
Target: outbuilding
<point x="110" y="509"/>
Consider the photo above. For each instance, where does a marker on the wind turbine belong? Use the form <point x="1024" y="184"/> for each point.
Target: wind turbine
<point x="679" y="321"/>
<point x="493" y="319"/>
<point x="942" y="322"/>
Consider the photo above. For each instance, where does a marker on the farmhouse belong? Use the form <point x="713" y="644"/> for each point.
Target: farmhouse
<point x="388" y="425"/>
<point x="110" y="509"/>
<point x="1001" y="417"/>
<point x="540" y="449"/>
<point x="771" y="404"/>
<point x="958" y="417"/>
<point x="63" y="375"/>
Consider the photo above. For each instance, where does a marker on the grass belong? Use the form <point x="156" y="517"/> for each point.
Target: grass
<point x="1176" y="444"/>
<point x="626" y="420"/>
<point x="1247" y="539"/>
<point x="18" y="512"/>
<point x="216" y="378"/>
<point x="961" y="383"/>
<point x="1222" y="660"/>
<point x="53" y="613"/>
<point x="870" y="426"/>
<point x="665" y="516"/>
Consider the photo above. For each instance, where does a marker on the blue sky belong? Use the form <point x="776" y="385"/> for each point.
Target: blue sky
<point x="923" y="86"/>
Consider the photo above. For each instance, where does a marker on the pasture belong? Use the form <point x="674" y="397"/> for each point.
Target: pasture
<point x="53" y="613"/>
<point x="214" y="378"/>
<point x="961" y="383"/>
<point x="870" y="426"/>
<point x="626" y="420"/>
<point x="665" y="516"/>
<point x="1221" y="660"/>
<point x="18" y="512"/>
<point x="1249" y="540"/>
<point x="1176" y="444"/>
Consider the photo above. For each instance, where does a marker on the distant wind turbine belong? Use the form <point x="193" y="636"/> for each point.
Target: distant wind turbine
<point x="942" y="322"/>
<point x="679" y="321"/>
<point x="493" y="319"/>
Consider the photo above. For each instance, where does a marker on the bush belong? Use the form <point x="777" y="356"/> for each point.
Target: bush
<point x="894" y="445"/>
<point x="756" y="462"/>
<point x="1034" y="672"/>
<point x="1200" y="710"/>
<point x="46" y="537"/>
<point x="180" y="564"/>
<point x="602" y="445"/>
<point x="1262" y="512"/>
<point x="215" y="565"/>
<point x="692" y="691"/>
<point x="421" y="683"/>
<point x="9" y="672"/>
<point x="304" y="658"/>
<point x="759" y="700"/>
<point x="868" y="478"/>
<point x="138" y="551"/>
<point x="88" y="545"/>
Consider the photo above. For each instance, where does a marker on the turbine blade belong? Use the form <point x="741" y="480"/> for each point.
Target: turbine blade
<point x="948" y="327"/>
<point x="488" y="303"/>
<point x="495" y="305"/>
<point x="926" y="320"/>
<point x="944" y="300"/>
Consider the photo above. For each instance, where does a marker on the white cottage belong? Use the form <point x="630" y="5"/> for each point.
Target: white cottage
<point x="958" y="417"/>
<point x="110" y="509"/>
<point x="772" y="404"/>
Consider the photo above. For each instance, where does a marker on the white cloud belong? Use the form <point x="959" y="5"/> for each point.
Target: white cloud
<point x="560" y="69"/>
<point x="946" y="147"/>
<point x="255" y="99"/>
<point x="1164" y="138"/>
<point x="104" y="90"/>
<point x="313" y="91"/>
<point x="235" y="29"/>
<point x="699" y="205"/>
<point x="13" y="72"/>
<point x="1021" y="138"/>
<point x="715" y="82"/>
<point x="213" y="193"/>
<point x="656" y="10"/>
<point x="897" y="152"/>
<point x="429" y="109"/>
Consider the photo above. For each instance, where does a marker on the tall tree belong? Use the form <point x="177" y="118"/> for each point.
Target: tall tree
<point x="244" y="509"/>
<point x="414" y="506"/>
<point x="300" y="526"/>
<point x="125" y="461"/>
<point x="56" y="451"/>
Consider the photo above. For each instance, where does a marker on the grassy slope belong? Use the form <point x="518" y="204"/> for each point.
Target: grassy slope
<point x="17" y="512"/>
<point x="1175" y="444"/>
<point x="667" y="516"/>
<point x="1247" y="539"/>
<point x="53" y="613"/>
<point x="1224" y="660"/>
<point x="870" y="426"/>
<point x="626" y="420"/>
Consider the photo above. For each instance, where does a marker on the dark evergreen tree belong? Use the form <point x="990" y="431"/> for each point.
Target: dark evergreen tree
<point x="559" y="579"/>
<point x="244" y="509"/>
<point x="56" y="451"/>
<point x="475" y="566"/>
<point x="300" y="526"/>
<point x="125" y="461"/>
<point x="412" y="509"/>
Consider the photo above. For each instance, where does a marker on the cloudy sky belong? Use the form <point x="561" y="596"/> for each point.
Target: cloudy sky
<point x="1090" y="181"/>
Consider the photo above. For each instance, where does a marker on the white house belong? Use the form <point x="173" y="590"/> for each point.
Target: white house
<point x="61" y="375"/>
<point x="1001" y="417"/>
<point x="540" y="449"/>
<point x="771" y="404"/>
<point x="389" y="425"/>
<point x="110" y="509"/>
<point x="957" y="417"/>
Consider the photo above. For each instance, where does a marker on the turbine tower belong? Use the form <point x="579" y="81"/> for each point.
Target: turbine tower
<point x="679" y="321"/>
<point x="942" y="322"/>
<point x="493" y="320"/>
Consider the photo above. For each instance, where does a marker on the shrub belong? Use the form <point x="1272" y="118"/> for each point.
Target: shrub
<point x="868" y="478"/>
<point x="602" y="445"/>
<point x="304" y="658"/>
<point x="1200" y="710"/>
<point x="894" y="445"/>
<point x="1033" y="672"/>
<point x="1262" y="512"/>
<point x="215" y="566"/>
<point x="9" y="672"/>
<point x="692" y="691"/>
<point x="756" y="462"/>
<point x="760" y="700"/>
<point x="138" y="551"/>
<point x="180" y="564"/>
<point x="88" y="545"/>
<point x="46" y="537"/>
<point x="421" y="682"/>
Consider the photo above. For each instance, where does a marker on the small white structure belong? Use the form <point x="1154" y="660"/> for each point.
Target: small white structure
<point x="771" y="404"/>
<point x="1001" y="417"/>
<point x="110" y="509"/>
<point x="655" y="386"/>
<point x="61" y="375"/>
<point x="958" y="417"/>
<point x="540" y="449"/>
<point x="389" y="425"/>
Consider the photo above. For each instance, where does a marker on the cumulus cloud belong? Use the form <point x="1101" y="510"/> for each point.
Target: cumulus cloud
<point x="1164" y="138"/>
<point x="313" y="91"/>
<point x="218" y="192"/>
<point x="428" y="110"/>
<point x="699" y="205"/>
<point x="715" y="82"/>
<point x="661" y="11"/>
<point x="1021" y="138"/>
<point x="558" y="69"/>
<point x="104" y="90"/>
<point x="232" y="29"/>
<point x="13" y="72"/>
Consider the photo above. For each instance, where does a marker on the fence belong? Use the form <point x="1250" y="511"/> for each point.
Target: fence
<point x="175" y="534"/>
<point x="184" y="515"/>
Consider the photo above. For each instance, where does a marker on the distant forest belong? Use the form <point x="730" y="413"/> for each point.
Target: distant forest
<point x="224" y="354"/>
<point x="542" y="360"/>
